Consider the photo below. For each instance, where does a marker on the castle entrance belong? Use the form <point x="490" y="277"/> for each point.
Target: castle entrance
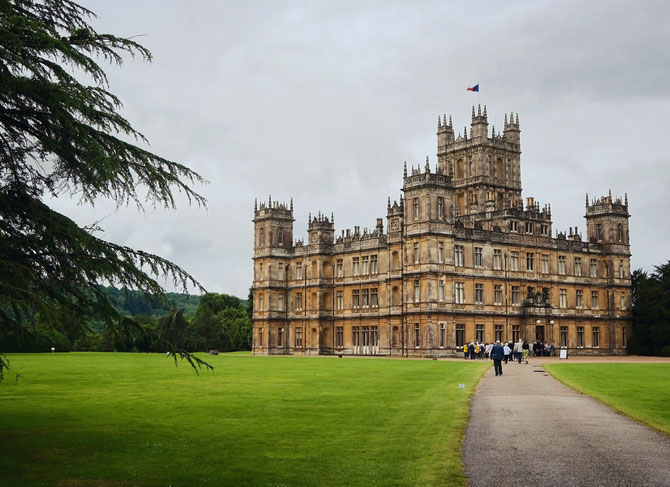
<point x="539" y="333"/>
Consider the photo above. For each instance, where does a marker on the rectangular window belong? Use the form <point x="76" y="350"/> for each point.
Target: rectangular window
<point x="599" y="232"/>
<point x="440" y="290"/>
<point x="260" y="302"/>
<point x="280" y="272"/>
<point x="366" y="336"/>
<point x="479" y="294"/>
<point x="499" y="332"/>
<point x="623" y="337"/>
<point x="416" y="208"/>
<point x="497" y="259"/>
<point x="261" y="238"/>
<point x="594" y="268"/>
<point x="260" y="271"/>
<point x="516" y="333"/>
<point x="459" y="289"/>
<point x="529" y="228"/>
<point x="596" y="337"/>
<point x="280" y="236"/>
<point x="594" y="299"/>
<point x="298" y="301"/>
<point x="340" y="268"/>
<point x="366" y="265"/>
<point x="477" y="258"/>
<point x="366" y="298"/>
<point x="497" y="294"/>
<point x="440" y="208"/>
<point x="416" y="291"/>
<point x="578" y="266"/>
<point x="355" y="296"/>
<point x="544" y="228"/>
<point x="513" y="226"/>
<point x="356" y="265"/>
<point x="561" y="265"/>
<point x="622" y="272"/>
<point x="340" y="299"/>
<point x="516" y="295"/>
<point x="298" y="270"/>
<point x="479" y="333"/>
<point x="460" y="335"/>
<point x="260" y="337"/>
<point x="298" y="337"/>
<point x="280" y="302"/>
<point x="580" y="337"/>
<point x="529" y="261"/>
<point x="374" y="336"/>
<point x="374" y="268"/>
<point x="339" y="337"/>
<point x="564" y="336"/>
<point x="417" y="336"/>
<point x="545" y="264"/>
<point x="415" y="255"/>
<point x="458" y="256"/>
<point x="514" y="261"/>
<point x="374" y="298"/>
<point x="355" y="336"/>
<point x="442" y="335"/>
<point x="579" y="298"/>
<point x="563" y="298"/>
<point x="440" y="252"/>
<point x="623" y="300"/>
<point x="280" y="337"/>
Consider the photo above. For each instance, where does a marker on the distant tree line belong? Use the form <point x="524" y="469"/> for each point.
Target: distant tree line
<point x="194" y="323"/>
<point x="651" y="312"/>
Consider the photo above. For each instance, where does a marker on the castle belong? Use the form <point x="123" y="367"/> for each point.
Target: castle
<point x="462" y="259"/>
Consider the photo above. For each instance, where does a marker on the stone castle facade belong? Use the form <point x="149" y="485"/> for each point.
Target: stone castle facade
<point x="462" y="259"/>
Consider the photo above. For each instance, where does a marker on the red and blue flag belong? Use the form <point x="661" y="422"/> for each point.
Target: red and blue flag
<point x="474" y="88"/>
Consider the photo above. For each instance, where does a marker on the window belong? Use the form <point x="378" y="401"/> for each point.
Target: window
<point x="545" y="264"/>
<point x="544" y="229"/>
<point x="594" y="268"/>
<point x="594" y="299"/>
<point x="623" y="337"/>
<point x="374" y="268"/>
<point x="459" y="293"/>
<point x="563" y="298"/>
<point x="596" y="337"/>
<point x="529" y="261"/>
<point x="578" y="266"/>
<point x="561" y="265"/>
<point x="298" y="337"/>
<point x="298" y="301"/>
<point x="514" y="260"/>
<point x="366" y="265"/>
<point x="623" y="300"/>
<point x="280" y="271"/>
<point x="516" y="298"/>
<point x="355" y="336"/>
<point x="499" y="332"/>
<point x="280" y="236"/>
<point x="442" y="335"/>
<point x="579" y="298"/>
<point x="564" y="336"/>
<point x="497" y="294"/>
<point x="261" y="238"/>
<point x="416" y="291"/>
<point x="280" y="302"/>
<point x="366" y="298"/>
<point x="516" y="333"/>
<point x="356" y="262"/>
<point x="416" y="208"/>
<point x="440" y="252"/>
<point x="260" y="337"/>
<point x="440" y="290"/>
<point x="479" y="333"/>
<point x="622" y="272"/>
<point x="513" y="226"/>
<point x="374" y="336"/>
<point x="260" y="271"/>
<point x="619" y="232"/>
<point x="260" y="302"/>
<point x="374" y="297"/>
<point x="340" y="268"/>
<point x="440" y="208"/>
<point x="415" y="255"/>
<point x="599" y="232"/>
<point x="460" y="335"/>
<point x="298" y="270"/>
<point x="477" y="259"/>
<point x="580" y="337"/>
<point x="458" y="256"/>
<point x="339" y="337"/>
<point x="479" y="294"/>
<point x="497" y="259"/>
<point x="355" y="296"/>
<point x="280" y="337"/>
<point x="366" y="336"/>
<point x="339" y="298"/>
<point x="416" y="335"/>
<point x="529" y="228"/>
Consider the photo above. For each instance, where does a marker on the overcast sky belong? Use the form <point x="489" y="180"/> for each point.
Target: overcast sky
<point x="323" y="101"/>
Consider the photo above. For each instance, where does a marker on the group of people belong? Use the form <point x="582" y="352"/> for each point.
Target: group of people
<point x="499" y="353"/>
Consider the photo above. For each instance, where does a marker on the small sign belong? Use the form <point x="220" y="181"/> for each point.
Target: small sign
<point x="564" y="353"/>
<point x="461" y="386"/>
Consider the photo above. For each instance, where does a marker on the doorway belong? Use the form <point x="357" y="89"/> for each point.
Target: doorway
<point x="539" y="333"/>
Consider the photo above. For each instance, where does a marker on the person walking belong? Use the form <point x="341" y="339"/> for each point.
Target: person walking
<point x="525" y="348"/>
<point x="471" y="349"/>
<point x="518" y="350"/>
<point x="507" y="351"/>
<point x="497" y="354"/>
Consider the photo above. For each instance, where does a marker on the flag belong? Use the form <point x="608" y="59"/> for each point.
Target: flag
<point x="474" y="88"/>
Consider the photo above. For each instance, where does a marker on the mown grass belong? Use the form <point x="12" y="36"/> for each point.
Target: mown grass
<point x="641" y="391"/>
<point x="133" y="419"/>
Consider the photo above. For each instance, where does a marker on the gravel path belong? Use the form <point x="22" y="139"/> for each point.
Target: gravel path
<point x="528" y="429"/>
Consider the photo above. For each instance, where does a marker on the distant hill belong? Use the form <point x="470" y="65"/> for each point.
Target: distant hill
<point x="135" y="303"/>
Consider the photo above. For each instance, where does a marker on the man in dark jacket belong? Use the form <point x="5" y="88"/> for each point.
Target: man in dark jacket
<point x="497" y="354"/>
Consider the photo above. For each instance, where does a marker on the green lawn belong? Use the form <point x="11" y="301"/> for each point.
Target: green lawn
<point x="641" y="391"/>
<point x="107" y="419"/>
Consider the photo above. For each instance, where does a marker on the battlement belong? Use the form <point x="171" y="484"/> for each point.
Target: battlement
<point x="273" y="209"/>
<point x="606" y="205"/>
<point x="321" y="222"/>
<point x="419" y="178"/>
